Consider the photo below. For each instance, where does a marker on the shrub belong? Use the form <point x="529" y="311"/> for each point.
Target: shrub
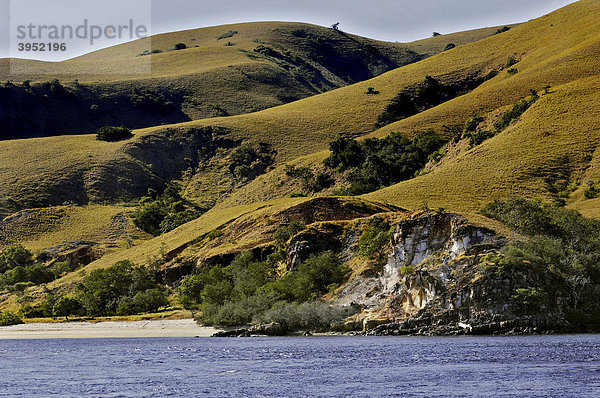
<point x="14" y="256"/>
<point x="112" y="134"/>
<point x="247" y="160"/>
<point x="449" y="46"/>
<point x="283" y="234"/>
<point x="151" y="101"/>
<point x="375" y="163"/>
<point x="313" y="315"/>
<point x="511" y="61"/>
<point x="66" y="306"/>
<point x="180" y="46"/>
<point x="103" y="290"/>
<point x="8" y="318"/>
<point x="375" y="238"/>
<point x="503" y="29"/>
<point x="166" y="212"/>
<point x="436" y="34"/>
<point x="228" y="34"/>
<point x="372" y="91"/>
<point x="512" y="71"/>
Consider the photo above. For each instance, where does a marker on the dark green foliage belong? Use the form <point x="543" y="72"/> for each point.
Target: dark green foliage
<point x="426" y="95"/>
<point x="314" y="315"/>
<point x="449" y="46"/>
<point x="517" y="110"/>
<point x="180" y="46"/>
<point x="165" y="212"/>
<point x="503" y="29"/>
<point x="123" y="288"/>
<point x="511" y="62"/>
<point x="372" y="91"/>
<point x="562" y="242"/>
<point x="375" y="238"/>
<point x="376" y="163"/>
<point x="593" y="190"/>
<point x="66" y="306"/>
<point x="436" y="34"/>
<point x="14" y="256"/>
<point x="148" y="300"/>
<point x="477" y="137"/>
<point x="8" y="318"/>
<point x="318" y="275"/>
<point x="227" y="34"/>
<point x="512" y="71"/>
<point x="246" y="288"/>
<point x="112" y="133"/>
<point x="248" y="161"/>
<point x="17" y="267"/>
<point x="150" y="101"/>
<point x="283" y="234"/>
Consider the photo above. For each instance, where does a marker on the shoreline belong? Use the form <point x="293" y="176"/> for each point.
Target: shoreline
<point x="106" y="329"/>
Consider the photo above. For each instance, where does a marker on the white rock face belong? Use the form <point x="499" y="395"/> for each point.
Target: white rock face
<point x="435" y="239"/>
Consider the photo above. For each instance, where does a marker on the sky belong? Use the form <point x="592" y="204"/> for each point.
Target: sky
<point x="389" y="20"/>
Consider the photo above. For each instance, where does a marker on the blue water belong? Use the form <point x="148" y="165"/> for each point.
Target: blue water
<point x="533" y="366"/>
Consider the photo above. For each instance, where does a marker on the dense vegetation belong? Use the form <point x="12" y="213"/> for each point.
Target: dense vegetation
<point x="112" y="134"/>
<point x="158" y="214"/>
<point x="19" y="269"/>
<point x="426" y="95"/>
<point x="248" y="161"/>
<point x="477" y="136"/>
<point x="122" y="289"/>
<point x="376" y="163"/>
<point x="561" y="242"/>
<point x="248" y="289"/>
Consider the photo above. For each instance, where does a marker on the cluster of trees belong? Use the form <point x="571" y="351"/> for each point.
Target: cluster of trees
<point x="159" y="214"/>
<point x="248" y="161"/>
<point x="19" y="269"/>
<point x="477" y="137"/>
<point x="112" y="133"/>
<point x="562" y="242"/>
<point x="426" y="95"/>
<point x="151" y="101"/>
<point x="248" y="289"/>
<point x="377" y="163"/>
<point x="123" y="289"/>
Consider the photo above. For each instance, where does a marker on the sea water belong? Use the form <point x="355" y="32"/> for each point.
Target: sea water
<point x="531" y="366"/>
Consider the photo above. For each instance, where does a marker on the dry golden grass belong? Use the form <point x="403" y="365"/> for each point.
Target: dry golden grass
<point x="109" y="226"/>
<point x="554" y="139"/>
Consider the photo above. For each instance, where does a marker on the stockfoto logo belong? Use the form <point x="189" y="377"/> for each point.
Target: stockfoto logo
<point x="61" y="30"/>
<point x="84" y="31"/>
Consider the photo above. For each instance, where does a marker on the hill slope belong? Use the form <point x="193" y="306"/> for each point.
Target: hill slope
<point x="225" y="70"/>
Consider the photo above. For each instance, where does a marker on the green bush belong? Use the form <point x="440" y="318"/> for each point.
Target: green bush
<point x="227" y="35"/>
<point x="512" y="71"/>
<point x="283" y="234"/>
<point x="247" y="160"/>
<point x="313" y="315"/>
<point x="103" y="290"/>
<point x="561" y="241"/>
<point x="166" y="212"/>
<point x="246" y="288"/>
<point x="180" y="46"/>
<point x="375" y="238"/>
<point x="112" y="134"/>
<point x="377" y="163"/>
<point x="8" y="318"/>
<point x="66" y="306"/>
<point x="14" y="256"/>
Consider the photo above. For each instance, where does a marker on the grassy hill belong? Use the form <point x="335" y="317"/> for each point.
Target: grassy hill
<point x="225" y="70"/>
<point x="548" y="151"/>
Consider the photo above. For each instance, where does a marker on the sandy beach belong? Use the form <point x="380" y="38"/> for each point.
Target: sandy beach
<point x="118" y="329"/>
